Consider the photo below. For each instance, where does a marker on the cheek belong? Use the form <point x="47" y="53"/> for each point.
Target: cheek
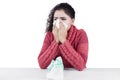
<point x="68" y="23"/>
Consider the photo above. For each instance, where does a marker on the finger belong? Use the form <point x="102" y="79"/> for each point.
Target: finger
<point x="55" y="28"/>
<point x="55" y="24"/>
<point x="61" y="25"/>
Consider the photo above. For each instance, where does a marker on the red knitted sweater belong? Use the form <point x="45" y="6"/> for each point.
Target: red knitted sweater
<point x="74" y="51"/>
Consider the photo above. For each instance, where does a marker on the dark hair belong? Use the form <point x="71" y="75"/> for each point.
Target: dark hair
<point x="64" y="6"/>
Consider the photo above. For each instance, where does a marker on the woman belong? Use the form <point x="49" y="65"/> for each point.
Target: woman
<point x="66" y="41"/>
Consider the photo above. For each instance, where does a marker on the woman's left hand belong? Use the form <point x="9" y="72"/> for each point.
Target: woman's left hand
<point x="62" y="33"/>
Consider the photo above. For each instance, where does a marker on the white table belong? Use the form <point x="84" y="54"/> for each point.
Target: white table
<point x="69" y="74"/>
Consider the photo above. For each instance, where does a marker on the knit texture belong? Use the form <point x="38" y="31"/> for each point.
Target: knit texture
<point x="74" y="51"/>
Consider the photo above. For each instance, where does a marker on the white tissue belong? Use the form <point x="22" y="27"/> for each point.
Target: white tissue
<point x="55" y="70"/>
<point x="65" y="25"/>
<point x="57" y="23"/>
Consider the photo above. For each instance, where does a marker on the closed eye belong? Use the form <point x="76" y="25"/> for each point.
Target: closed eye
<point x="63" y="18"/>
<point x="55" y="18"/>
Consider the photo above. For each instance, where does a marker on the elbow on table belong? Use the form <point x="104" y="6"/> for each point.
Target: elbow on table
<point x="81" y="68"/>
<point x="41" y="64"/>
<point x="42" y="67"/>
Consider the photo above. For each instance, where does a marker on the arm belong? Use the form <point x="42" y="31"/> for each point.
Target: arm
<point x="76" y="57"/>
<point x="48" y="51"/>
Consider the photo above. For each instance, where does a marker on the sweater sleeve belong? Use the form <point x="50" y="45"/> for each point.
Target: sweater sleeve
<point x="48" y="52"/>
<point x="76" y="57"/>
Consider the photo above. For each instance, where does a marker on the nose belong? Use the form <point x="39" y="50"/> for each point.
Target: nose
<point x="59" y="20"/>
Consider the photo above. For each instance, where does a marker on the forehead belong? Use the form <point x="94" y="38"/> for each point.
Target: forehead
<point x="60" y="13"/>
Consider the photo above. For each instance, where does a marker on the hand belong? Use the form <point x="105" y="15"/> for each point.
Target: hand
<point x="55" y="33"/>
<point x="62" y="33"/>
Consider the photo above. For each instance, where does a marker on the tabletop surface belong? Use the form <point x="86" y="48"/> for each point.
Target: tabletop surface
<point x="69" y="74"/>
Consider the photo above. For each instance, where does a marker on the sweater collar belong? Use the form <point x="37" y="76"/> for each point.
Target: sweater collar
<point x="71" y="33"/>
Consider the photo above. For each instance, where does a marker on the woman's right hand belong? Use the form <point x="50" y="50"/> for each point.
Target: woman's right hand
<point x="55" y="33"/>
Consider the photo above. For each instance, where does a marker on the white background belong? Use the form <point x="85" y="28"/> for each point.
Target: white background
<point x="22" y="30"/>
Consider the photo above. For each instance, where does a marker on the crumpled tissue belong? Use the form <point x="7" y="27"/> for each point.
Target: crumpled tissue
<point x="56" y="22"/>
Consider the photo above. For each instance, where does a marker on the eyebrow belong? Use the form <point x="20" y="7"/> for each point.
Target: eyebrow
<point x="60" y="17"/>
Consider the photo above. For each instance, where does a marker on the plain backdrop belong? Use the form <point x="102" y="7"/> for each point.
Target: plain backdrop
<point x="22" y="30"/>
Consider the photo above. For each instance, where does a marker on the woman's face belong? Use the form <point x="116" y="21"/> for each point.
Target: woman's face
<point x="63" y="17"/>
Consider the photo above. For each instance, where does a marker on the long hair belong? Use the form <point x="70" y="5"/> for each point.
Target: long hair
<point x="62" y="6"/>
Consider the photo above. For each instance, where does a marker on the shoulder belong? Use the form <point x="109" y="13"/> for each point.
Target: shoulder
<point x="81" y="32"/>
<point x="81" y="35"/>
<point x="49" y="35"/>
